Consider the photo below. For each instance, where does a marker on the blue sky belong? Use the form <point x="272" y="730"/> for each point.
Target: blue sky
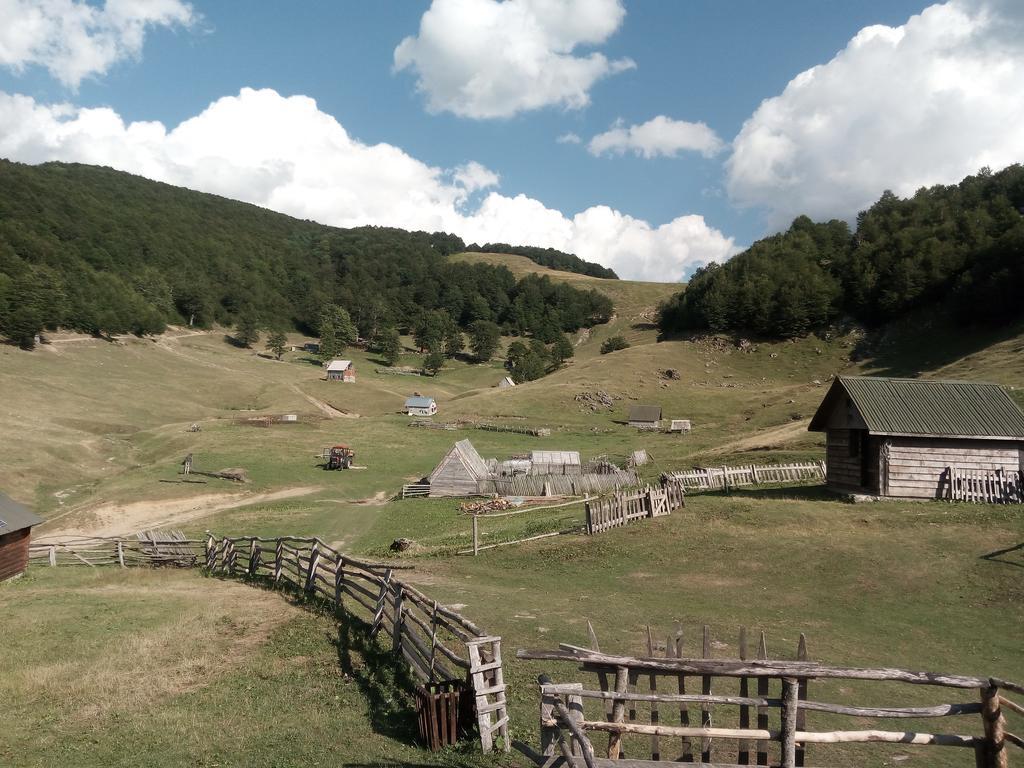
<point x="707" y="64"/>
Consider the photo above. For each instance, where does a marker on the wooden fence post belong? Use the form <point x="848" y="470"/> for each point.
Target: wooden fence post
<point x="801" y="714"/>
<point x="278" y="560"/>
<point x="53" y="555"/>
<point x="314" y="563"/>
<point x="120" y="553"/>
<point x="254" y="556"/>
<point x="339" y="583"/>
<point x="995" y="728"/>
<point x="476" y="536"/>
<point x="743" y="754"/>
<point x="397" y="621"/>
<point x="762" y="712"/>
<point x="787" y="734"/>
<point x="378" y="613"/>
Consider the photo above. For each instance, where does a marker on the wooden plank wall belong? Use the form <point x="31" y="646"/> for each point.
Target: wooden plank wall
<point x="917" y="466"/>
<point x="14" y="549"/>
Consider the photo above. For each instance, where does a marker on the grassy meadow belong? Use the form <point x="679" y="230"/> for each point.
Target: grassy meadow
<point x="94" y="432"/>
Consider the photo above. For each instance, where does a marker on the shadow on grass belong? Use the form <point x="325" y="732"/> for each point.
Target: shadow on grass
<point x="382" y="677"/>
<point x="997" y="556"/>
<point x="794" y="492"/>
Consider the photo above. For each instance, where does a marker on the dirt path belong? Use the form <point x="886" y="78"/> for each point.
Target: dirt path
<point x="325" y="407"/>
<point x="121" y="519"/>
<point x="774" y="437"/>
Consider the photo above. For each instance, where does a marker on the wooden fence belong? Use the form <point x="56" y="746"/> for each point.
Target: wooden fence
<point x="624" y="507"/>
<point x="558" y="485"/>
<point x="637" y="696"/>
<point x="996" y="487"/>
<point x="715" y="478"/>
<point x="149" y="548"/>
<point x="437" y="642"/>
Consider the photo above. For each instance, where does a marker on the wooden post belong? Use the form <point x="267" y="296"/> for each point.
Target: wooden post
<point x="753" y="473"/>
<point x="476" y="536"/>
<point x="575" y="706"/>
<point x="314" y="563"/>
<point x="278" y="560"/>
<point x="995" y="728"/>
<point x="548" y="733"/>
<point x="618" y="713"/>
<point x="120" y="553"/>
<point x="743" y="755"/>
<point x="674" y="649"/>
<point x="787" y="735"/>
<point x="339" y="582"/>
<point x="762" y="712"/>
<point x="655" y="718"/>
<point x="397" y="621"/>
<point x="705" y="686"/>
<point x="53" y="556"/>
<point x="801" y="714"/>
<point x="254" y="556"/>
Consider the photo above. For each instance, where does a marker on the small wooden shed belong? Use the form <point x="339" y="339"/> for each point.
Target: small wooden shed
<point x="418" y="405"/>
<point x="16" y="521"/>
<point x="903" y="437"/>
<point x="341" y="370"/>
<point x="460" y="472"/>
<point x="645" y="416"/>
<point x="506" y="383"/>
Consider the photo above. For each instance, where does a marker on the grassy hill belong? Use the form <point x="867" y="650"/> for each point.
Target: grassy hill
<point x="94" y="431"/>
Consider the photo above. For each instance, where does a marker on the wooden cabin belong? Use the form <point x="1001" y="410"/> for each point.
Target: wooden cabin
<point x="460" y="472"/>
<point x="341" y="370"/>
<point x="904" y="437"/>
<point x="506" y="383"/>
<point x="645" y="416"/>
<point x="418" y="405"/>
<point x="555" y="463"/>
<point x="16" y="521"/>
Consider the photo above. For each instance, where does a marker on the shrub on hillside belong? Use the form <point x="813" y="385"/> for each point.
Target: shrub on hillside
<point x="614" y="344"/>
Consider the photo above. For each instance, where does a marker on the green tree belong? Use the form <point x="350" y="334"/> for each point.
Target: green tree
<point x="337" y="331"/>
<point x="429" y="331"/>
<point x="561" y="350"/>
<point x="483" y="339"/>
<point x="515" y="353"/>
<point x="614" y="344"/>
<point x="454" y="343"/>
<point x="247" y="330"/>
<point x="530" y="368"/>
<point x="389" y="345"/>
<point x="276" y="343"/>
<point x="433" y="362"/>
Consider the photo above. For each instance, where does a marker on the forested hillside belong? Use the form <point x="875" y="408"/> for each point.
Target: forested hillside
<point x="100" y="251"/>
<point x="958" y="248"/>
<point x="548" y="257"/>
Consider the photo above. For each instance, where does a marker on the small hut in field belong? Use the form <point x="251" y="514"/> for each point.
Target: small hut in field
<point x="16" y="521"/>
<point x="460" y="472"/>
<point x="341" y="370"/>
<point x="506" y="383"/>
<point x="418" y="405"/>
<point x="907" y="437"/>
<point x="645" y="416"/>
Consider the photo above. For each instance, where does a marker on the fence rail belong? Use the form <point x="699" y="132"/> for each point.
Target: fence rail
<point x="737" y="724"/>
<point x="625" y="507"/>
<point x="149" y="548"/>
<point x="996" y="487"/>
<point x="715" y="478"/>
<point x="437" y="642"/>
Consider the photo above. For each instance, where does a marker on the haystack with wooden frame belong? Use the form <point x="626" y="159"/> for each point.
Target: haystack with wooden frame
<point x="914" y="437"/>
<point x="16" y="521"/>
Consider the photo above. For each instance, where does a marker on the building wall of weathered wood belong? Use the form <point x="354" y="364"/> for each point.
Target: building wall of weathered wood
<point x="645" y="424"/>
<point x="14" y="552"/>
<point x="911" y="467"/>
<point x="916" y="465"/>
<point x="452" y="478"/>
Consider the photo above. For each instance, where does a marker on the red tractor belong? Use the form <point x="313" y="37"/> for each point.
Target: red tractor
<point x="339" y="457"/>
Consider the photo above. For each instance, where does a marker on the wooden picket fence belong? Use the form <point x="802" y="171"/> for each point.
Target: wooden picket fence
<point x="997" y="487"/>
<point x="624" y="507"/>
<point x="559" y="485"/>
<point x="724" y="478"/>
<point x="437" y="642"/>
<point x="147" y="548"/>
<point x="639" y="696"/>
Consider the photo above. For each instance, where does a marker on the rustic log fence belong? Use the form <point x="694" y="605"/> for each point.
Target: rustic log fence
<point x="724" y="478"/>
<point x="437" y="642"/>
<point x="995" y="487"/>
<point x="631" y="687"/>
<point x="148" y="548"/>
<point x="625" y="507"/>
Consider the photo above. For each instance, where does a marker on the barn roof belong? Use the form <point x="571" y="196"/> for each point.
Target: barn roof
<point x="15" y="516"/>
<point x="555" y="457"/>
<point x="418" y="401"/>
<point x="339" y="365"/>
<point x="926" y="407"/>
<point x="645" y="413"/>
<point x="470" y="458"/>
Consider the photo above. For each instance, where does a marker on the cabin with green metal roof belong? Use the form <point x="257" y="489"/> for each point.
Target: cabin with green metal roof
<point x="908" y="437"/>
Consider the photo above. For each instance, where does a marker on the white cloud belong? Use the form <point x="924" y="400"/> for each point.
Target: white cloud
<point x="658" y="136"/>
<point x="899" y="108"/>
<point x="496" y="58"/>
<point x="73" y="39"/>
<point x="473" y="177"/>
<point x="285" y="154"/>
<point x="569" y="138"/>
